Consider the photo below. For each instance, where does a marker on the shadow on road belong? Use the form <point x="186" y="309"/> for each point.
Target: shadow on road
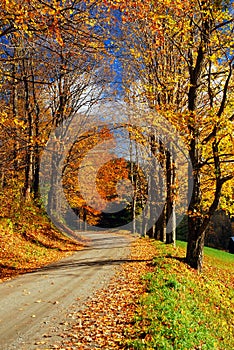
<point x="86" y="263"/>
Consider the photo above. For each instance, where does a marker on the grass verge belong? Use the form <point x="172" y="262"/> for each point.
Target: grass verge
<point x="182" y="309"/>
<point x="221" y="257"/>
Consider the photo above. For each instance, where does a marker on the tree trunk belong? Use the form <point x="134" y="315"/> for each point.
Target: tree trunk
<point x="53" y="195"/>
<point x="29" y="148"/>
<point x="162" y="222"/>
<point x="194" y="256"/>
<point x="195" y="248"/>
<point x="134" y="212"/>
<point x="196" y="237"/>
<point x="133" y="177"/>
<point x="197" y="226"/>
<point x="15" y="115"/>
<point x="36" y="169"/>
<point x="170" y="202"/>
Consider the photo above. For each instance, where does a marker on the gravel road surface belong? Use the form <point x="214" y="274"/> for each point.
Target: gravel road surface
<point x="33" y="306"/>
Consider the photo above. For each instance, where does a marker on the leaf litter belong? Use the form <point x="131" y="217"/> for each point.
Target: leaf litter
<point x="108" y="315"/>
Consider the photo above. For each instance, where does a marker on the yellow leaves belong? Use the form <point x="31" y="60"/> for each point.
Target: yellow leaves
<point x="59" y="38"/>
<point x="7" y="122"/>
<point x="19" y="123"/>
<point x="3" y="117"/>
<point x="33" y="16"/>
<point x="135" y="53"/>
<point x="19" y="255"/>
<point x="227" y="200"/>
<point x="92" y="22"/>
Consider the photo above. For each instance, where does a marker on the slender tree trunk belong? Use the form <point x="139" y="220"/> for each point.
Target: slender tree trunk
<point x="154" y="195"/>
<point x="35" y="185"/>
<point x="54" y="198"/>
<point x="163" y="225"/>
<point x="170" y="202"/>
<point x="145" y="220"/>
<point x="15" y="114"/>
<point x="58" y="117"/>
<point x="133" y="177"/>
<point x="169" y="196"/>
<point x="29" y="147"/>
<point x="52" y="207"/>
<point x="162" y="220"/>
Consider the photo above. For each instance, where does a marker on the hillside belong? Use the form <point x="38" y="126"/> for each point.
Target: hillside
<point x="28" y="240"/>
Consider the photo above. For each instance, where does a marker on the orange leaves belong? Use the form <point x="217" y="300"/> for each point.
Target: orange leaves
<point x="27" y="239"/>
<point x="109" y="175"/>
<point x="47" y="18"/>
<point x="108" y="316"/>
<point x="83" y="162"/>
<point x="157" y="15"/>
<point x="23" y="14"/>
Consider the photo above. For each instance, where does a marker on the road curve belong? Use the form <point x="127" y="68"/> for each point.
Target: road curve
<point x="34" y="304"/>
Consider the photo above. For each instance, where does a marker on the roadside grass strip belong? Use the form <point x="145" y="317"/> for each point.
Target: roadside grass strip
<point x="182" y="309"/>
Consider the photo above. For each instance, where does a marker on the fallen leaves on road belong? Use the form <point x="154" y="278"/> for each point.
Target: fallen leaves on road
<point x="103" y="323"/>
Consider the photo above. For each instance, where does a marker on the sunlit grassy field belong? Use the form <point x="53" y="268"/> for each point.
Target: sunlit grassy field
<point x="213" y="253"/>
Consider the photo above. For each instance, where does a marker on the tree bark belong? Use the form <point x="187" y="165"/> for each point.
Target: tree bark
<point x="196" y="237"/>
<point x="36" y="170"/>
<point x="170" y="201"/>
<point x="29" y="147"/>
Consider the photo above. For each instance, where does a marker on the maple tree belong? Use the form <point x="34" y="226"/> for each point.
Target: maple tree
<point x="183" y="68"/>
<point x="49" y="55"/>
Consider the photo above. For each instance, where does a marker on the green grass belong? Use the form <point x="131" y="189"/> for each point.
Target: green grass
<point x="182" y="309"/>
<point x="222" y="259"/>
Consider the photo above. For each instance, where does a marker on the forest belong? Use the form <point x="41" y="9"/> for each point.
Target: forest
<point x="118" y="114"/>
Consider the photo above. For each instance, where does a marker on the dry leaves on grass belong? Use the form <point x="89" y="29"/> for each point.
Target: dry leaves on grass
<point x="36" y="248"/>
<point x="107" y="316"/>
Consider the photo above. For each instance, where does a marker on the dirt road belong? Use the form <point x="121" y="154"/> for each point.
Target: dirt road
<point x="33" y="306"/>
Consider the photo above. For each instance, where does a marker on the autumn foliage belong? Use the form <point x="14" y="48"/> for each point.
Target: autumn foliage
<point x="182" y="69"/>
<point x="62" y="59"/>
<point x="102" y="185"/>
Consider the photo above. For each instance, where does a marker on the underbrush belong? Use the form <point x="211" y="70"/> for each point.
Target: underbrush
<point x="182" y="309"/>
